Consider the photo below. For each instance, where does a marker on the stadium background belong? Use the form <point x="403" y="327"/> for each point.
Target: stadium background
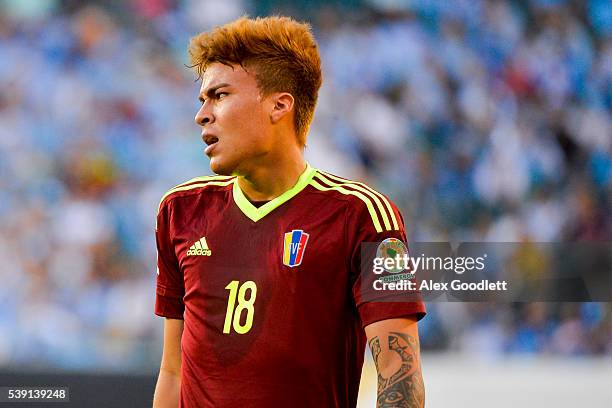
<point x="483" y="120"/>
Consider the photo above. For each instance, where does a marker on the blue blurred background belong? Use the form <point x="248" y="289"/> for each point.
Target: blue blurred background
<point x="483" y="120"/>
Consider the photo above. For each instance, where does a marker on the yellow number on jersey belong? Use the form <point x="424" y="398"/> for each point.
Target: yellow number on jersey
<point x="243" y="304"/>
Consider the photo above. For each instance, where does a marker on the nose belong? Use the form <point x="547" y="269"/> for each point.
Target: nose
<point x="204" y="115"/>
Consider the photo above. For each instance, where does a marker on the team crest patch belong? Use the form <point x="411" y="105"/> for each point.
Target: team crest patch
<point x="294" y="247"/>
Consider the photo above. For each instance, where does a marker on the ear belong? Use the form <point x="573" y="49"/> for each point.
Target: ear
<point x="282" y="106"/>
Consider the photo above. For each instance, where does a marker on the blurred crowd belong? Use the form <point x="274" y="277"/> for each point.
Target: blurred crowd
<point x="483" y="120"/>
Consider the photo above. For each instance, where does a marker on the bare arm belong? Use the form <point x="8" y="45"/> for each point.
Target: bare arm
<point x="395" y="348"/>
<point x="169" y="380"/>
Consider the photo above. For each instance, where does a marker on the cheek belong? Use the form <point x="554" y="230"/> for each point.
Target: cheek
<point x="250" y="119"/>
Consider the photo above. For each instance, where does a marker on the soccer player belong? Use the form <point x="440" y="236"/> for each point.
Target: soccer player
<point x="259" y="266"/>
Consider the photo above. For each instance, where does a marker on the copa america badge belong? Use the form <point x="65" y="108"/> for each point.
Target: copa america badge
<point x="392" y="248"/>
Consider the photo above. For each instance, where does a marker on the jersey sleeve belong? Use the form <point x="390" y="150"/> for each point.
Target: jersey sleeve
<point x="374" y="306"/>
<point x="170" y="285"/>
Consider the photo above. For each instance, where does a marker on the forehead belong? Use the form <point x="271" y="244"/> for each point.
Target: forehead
<point x="235" y="75"/>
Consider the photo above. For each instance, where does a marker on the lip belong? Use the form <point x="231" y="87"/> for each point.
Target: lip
<point x="209" y="149"/>
<point x="211" y="140"/>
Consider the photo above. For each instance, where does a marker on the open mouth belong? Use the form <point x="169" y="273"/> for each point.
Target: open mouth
<point x="211" y="140"/>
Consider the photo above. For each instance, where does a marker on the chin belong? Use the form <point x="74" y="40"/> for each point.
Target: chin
<point x="221" y="167"/>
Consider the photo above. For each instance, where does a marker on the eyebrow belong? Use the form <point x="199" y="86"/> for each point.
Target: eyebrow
<point x="211" y="91"/>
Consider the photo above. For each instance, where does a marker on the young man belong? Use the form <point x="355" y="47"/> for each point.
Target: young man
<point x="259" y="267"/>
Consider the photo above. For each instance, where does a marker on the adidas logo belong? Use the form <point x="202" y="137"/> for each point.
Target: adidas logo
<point x="199" y="248"/>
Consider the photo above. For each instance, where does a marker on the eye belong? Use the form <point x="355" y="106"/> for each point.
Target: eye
<point x="220" y="95"/>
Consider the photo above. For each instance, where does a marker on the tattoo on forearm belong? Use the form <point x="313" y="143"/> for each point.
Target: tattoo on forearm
<point x="404" y="388"/>
<point x="375" y="347"/>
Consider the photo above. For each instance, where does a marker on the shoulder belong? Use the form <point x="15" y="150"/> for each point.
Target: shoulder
<point x="195" y="187"/>
<point x="362" y="200"/>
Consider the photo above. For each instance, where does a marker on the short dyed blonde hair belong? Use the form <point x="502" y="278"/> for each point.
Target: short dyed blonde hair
<point x="282" y="52"/>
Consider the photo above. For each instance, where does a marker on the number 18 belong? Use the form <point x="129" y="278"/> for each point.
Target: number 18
<point x="243" y="304"/>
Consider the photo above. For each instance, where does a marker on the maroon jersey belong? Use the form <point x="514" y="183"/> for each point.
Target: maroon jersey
<point x="270" y="296"/>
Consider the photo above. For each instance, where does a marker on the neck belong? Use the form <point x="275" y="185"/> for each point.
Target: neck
<point x="268" y="181"/>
